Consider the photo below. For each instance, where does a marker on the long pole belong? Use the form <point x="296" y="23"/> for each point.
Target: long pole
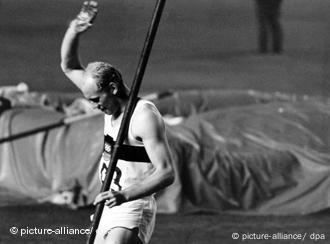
<point x="128" y="111"/>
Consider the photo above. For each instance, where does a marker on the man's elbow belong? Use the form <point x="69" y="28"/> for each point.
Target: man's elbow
<point x="65" y="67"/>
<point x="169" y="176"/>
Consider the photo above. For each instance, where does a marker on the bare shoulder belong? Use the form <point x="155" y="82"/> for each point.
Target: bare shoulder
<point x="146" y="120"/>
<point x="146" y="112"/>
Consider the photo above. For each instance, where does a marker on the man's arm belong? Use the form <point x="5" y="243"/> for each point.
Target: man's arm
<point x="152" y="132"/>
<point x="70" y="62"/>
<point x="150" y="127"/>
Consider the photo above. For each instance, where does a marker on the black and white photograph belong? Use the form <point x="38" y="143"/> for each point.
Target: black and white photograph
<point x="162" y="121"/>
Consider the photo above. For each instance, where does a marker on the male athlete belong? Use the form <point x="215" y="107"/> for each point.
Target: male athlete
<point x="144" y="165"/>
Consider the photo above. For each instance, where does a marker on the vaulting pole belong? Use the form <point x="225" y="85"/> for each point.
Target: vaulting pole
<point x="128" y="111"/>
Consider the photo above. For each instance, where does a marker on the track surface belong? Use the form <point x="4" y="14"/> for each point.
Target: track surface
<point x="197" y="228"/>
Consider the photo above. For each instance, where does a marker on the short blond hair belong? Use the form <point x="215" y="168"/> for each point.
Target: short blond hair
<point x="104" y="73"/>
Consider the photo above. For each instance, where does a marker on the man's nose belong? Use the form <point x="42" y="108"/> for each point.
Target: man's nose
<point x="94" y="105"/>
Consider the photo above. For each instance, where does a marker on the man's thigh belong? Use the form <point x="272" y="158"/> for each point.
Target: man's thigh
<point x="120" y="235"/>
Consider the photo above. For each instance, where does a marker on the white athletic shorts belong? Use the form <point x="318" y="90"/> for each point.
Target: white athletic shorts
<point x="139" y="214"/>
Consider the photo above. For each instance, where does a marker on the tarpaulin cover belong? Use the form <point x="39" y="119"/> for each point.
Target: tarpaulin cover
<point x="241" y="151"/>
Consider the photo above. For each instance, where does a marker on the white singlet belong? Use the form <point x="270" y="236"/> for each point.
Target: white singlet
<point x="139" y="213"/>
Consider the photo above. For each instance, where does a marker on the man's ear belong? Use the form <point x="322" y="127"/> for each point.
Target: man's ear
<point x="114" y="88"/>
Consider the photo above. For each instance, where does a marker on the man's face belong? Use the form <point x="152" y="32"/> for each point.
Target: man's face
<point x="102" y="100"/>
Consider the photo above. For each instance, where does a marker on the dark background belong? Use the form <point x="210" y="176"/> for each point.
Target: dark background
<point x="200" y="44"/>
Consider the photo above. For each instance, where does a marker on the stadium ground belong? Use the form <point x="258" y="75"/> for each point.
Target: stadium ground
<point x="184" y="228"/>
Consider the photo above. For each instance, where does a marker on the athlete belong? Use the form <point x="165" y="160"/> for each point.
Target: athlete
<point x="144" y="165"/>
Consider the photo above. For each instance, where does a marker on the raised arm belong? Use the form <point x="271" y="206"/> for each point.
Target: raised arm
<point x="70" y="62"/>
